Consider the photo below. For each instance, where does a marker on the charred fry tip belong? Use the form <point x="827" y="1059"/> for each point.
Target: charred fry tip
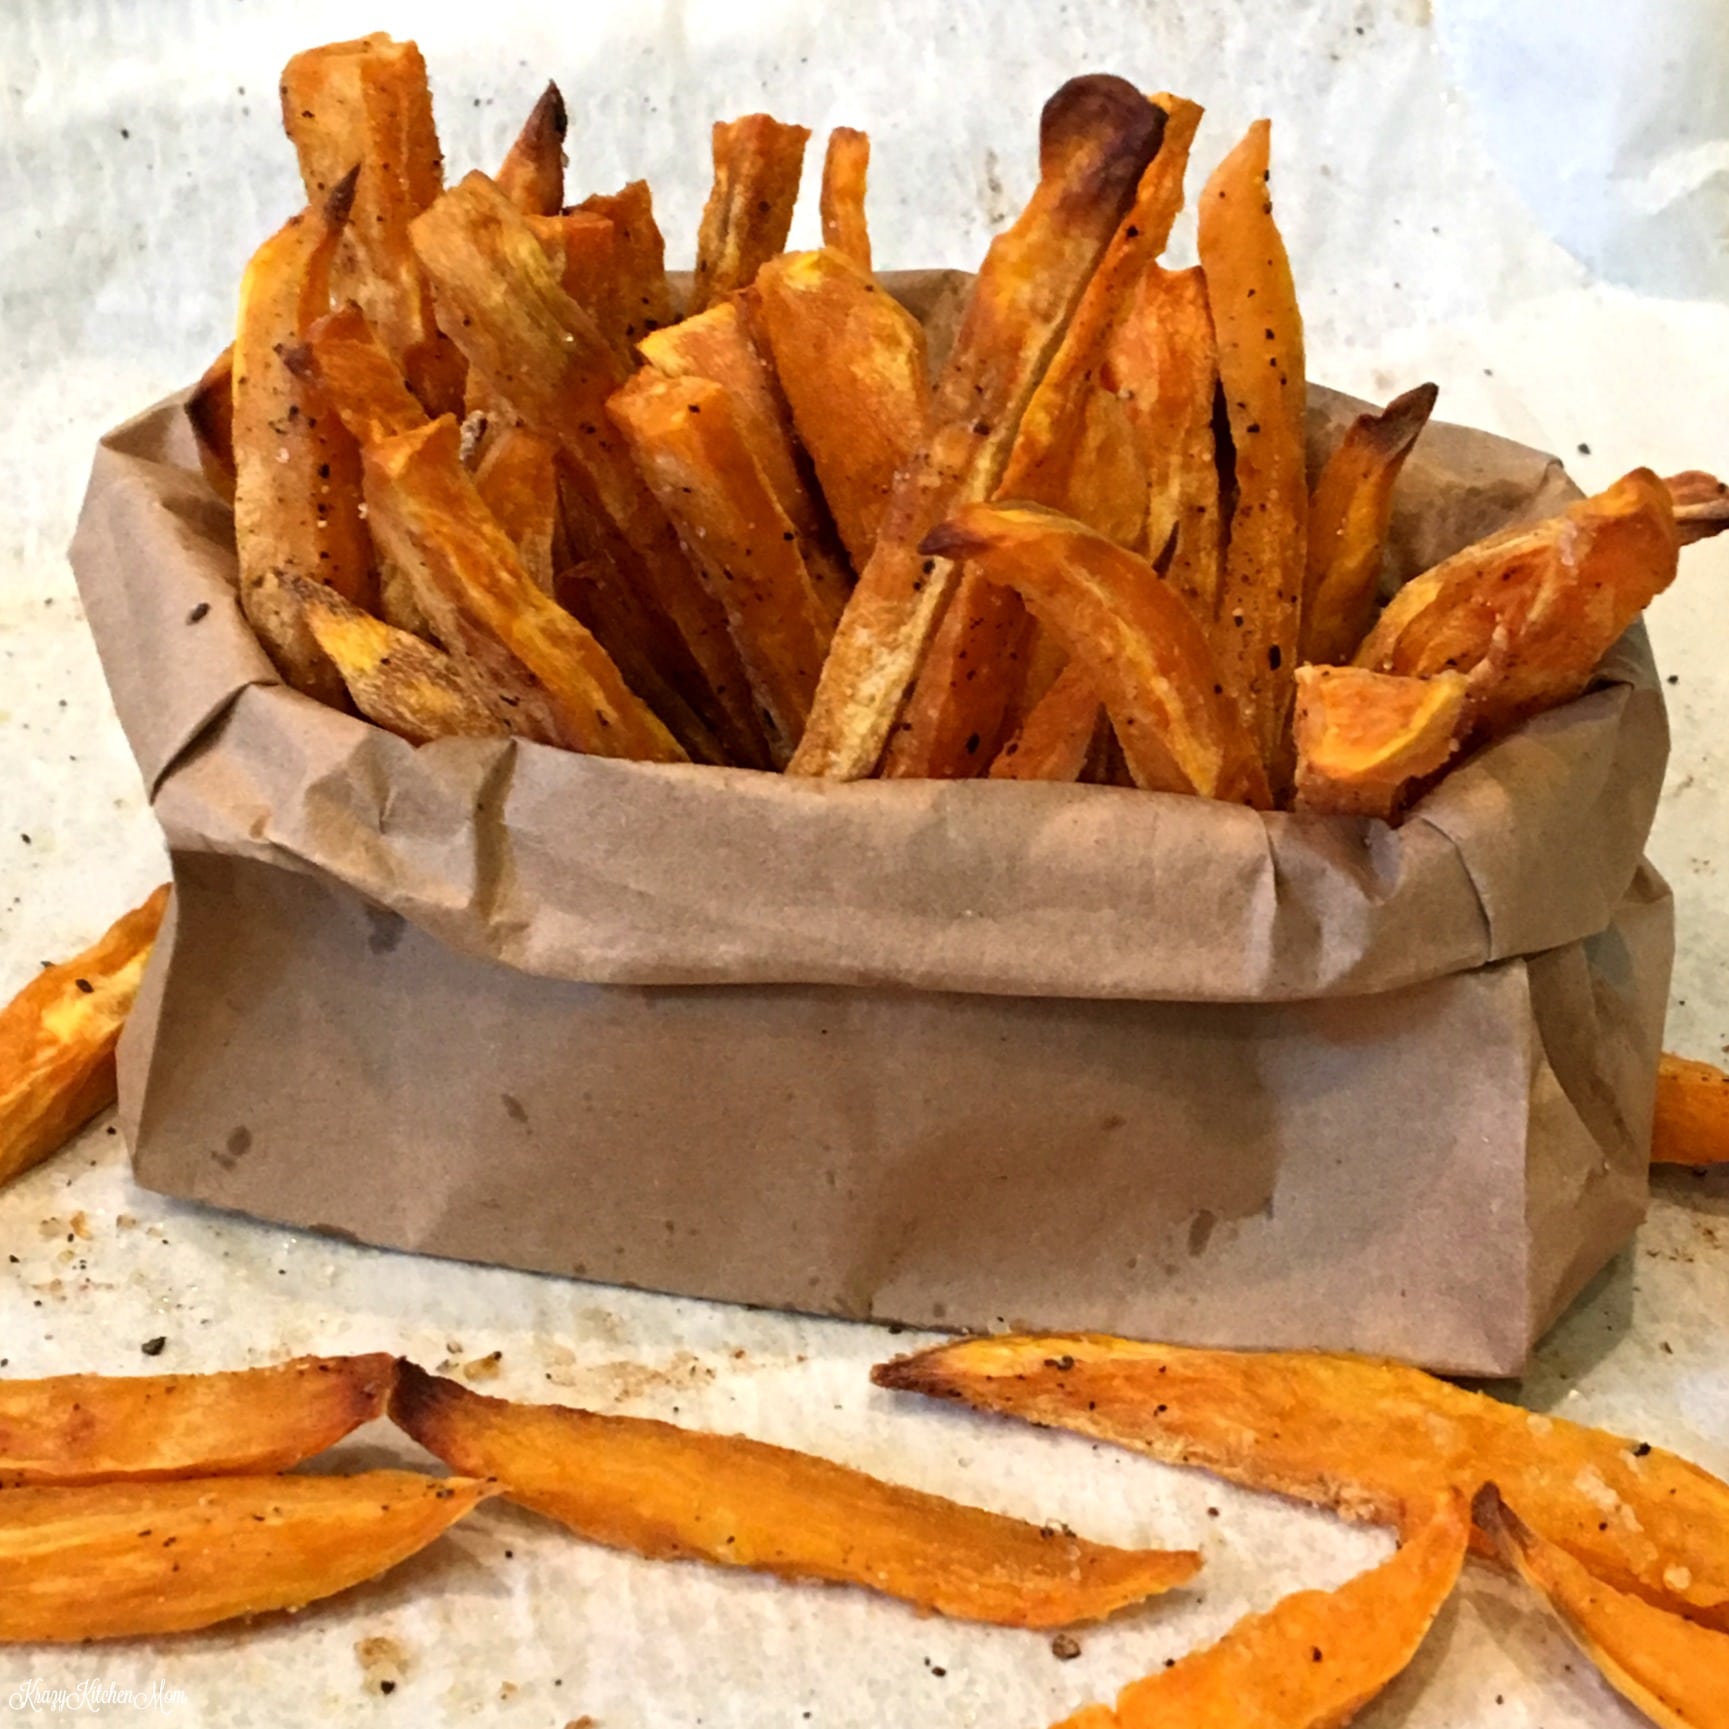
<point x="550" y="114"/>
<point x="909" y="1374"/>
<point x="1418" y="402"/>
<point x="341" y="198"/>
<point x="1090" y="109"/>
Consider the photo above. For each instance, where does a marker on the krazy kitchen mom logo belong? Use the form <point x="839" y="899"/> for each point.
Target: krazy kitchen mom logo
<point x="93" y="1696"/>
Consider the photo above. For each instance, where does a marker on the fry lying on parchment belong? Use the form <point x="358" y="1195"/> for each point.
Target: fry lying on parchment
<point x="1372" y="1440"/>
<point x="57" y="1039"/>
<point x="681" y="1494"/>
<point x="1316" y="1658"/>
<point x="1672" y="1669"/>
<point x="69" y="1429"/>
<point x="1691" y="1126"/>
<point x="126" y="1560"/>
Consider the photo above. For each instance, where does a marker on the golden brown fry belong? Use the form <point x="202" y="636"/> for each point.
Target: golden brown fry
<point x="1701" y="504"/>
<point x="1348" y="517"/>
<point x="532" y="174"/>
<point x="1673" y="1670"/>
<point x="515" y="640"/>
<point x="210" y="409"/>
<point x="546" y="358"/>
<point x="1364" y="738"/>
<point x="1691" y="1126"/>
<point x="1372" y="1440"/>
<point x="1096" y="135"/>
<point x="845" y="166"/>
<point x="851" y="360"/>
<point x="677" y="1494"/>
<point x="518" y="482"/>
<point x="1143" y="648"/>
<point x="697" y="463"/>
<point x="1316" y="1658"/>
<point x="1260" y="337"/>
<point x="1058" y="738"/>
<point x="1529" y="614"/>
<point x="57" y="1039"/>
<point x="127" y="1560"/>
<point x="104" y="1428"/>
<point x="583" y="248"/>
<point x="296" y="466"/>
<point x="757" y="165"/>
<point x="357" y="376"/>
<point x="645" y="300"/>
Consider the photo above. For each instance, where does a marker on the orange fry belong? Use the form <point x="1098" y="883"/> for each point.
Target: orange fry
<point x="697" y="463"/>
<point x="1363" y="738"/>
<point x="1692" y="1122"/>
<point x="359" y="380"/>
<point x="532" y="173"/>
<point x="57" y="1039"/>
<point x="1096" y="135"/>
<point x="1371" y="1440"/>
<point x="128" y="1560"/>
<point x="1316" y="1658"/>
<point x="845" y="165"/>
<point x="1701" y="505"/>
<point x="1260" y="336"/>
<point x="518" y="482"/>
<point x="644" y="299"/>
<point x="675" y="1494"/>
<point x="1530" y="613"/>
<point x="1057" y="739"/>
<point x="102" y="1428"/>
<point x="1142" y="647"/>
<point x="757" y="165"/>
<point x="210" y="409"/>
<point x="583" y="248"/>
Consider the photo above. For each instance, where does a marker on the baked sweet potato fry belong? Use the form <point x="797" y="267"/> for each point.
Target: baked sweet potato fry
<point x="675" y="1494"/>
<point x="532" y="173"/>
<point x="1096" y="136"/>
<point x="57" y="1039"/>
<point x="128" y="1560"/>
<point x="210" y="409"/>
<point x="1260" y="337"/>
<point x="758" y="162"/>
<point x="645" y="299"/>
<point x="517" y="480"/>
<point x="845" y="168"/>
<point x="1672" y="1669"/>
<point x="1691" y="1126"/>
<point x="1372" y="1440"/>
<point x="1701" y="504"/>
<point x="1348" y="517"/>
<point x="1143" y="648"/>
<point x="355" y="372"/>
<point x="851" y="360"/>
<point x="1057" y="739"/>
<point x="583" y="248"/>
<point x="1316" y="1658"/>
<point x="103" y="1428"/>
<point x="516" y="641"/>
<point x="1364" y="739"/>
<point x="1528" y="615"/>
<point x="697" y="463"/>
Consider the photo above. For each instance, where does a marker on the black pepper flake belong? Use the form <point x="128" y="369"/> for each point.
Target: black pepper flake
<point x="1133" y="232"/>
<point x="972" y="750"/>
<point x="1273" y="656"/>
<point x="1584" y="449"/>
<point x="124" y="133"/>
<point x="153" y="1347"/>
<point x="1253" y="426"/>
<point x="1674" y="678"/>
<point x="1642" y="1449"/>
<point x="1065" y="1648"/>
<point x="938" y="1670"/>
<point x="198" y="612"/>
<point x="387" y="1686"/>
<point x="927" y="567"/>
<point x="1315" y="1654"/>
<point x="85" y="986"/>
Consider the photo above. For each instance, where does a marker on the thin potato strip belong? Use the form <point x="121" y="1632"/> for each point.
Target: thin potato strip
<point x="1672" y="1669"/>
<point x="103" y="1428"/>
<point x="1529" y="614"/>
<point x="1144" y="650"/>
<point x="1096" y="135"/>
<point x="57" y="1039"/>
<point x="682" y="1494"/>
<point x="1701" y="504"/>
<point x="1372" y="1440"/>
<point x="758" y="162"/>
<point x="1260" y="338"/>
<point x="697" y="463"/>
<point x="644" y="298"/>
<point x="210" y="410"/>
<point x="359" y="379"/>
<point x="1692" y="1121"/>
<point x="583" y="248"/>
<point x="1057" y="739"/>
<point x="518" y="482"/>
<point x="1348" y="517"/>
<point x="845" y="167"/>
<point x="1365" y="738"/>
<point x="532" y="173"/>
<point x="129" y="1560"/>
<point x="1316" y="1658"/>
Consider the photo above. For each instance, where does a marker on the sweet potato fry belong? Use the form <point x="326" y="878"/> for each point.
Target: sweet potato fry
<point x="532" y="173"/>
<point x="1260" y="336"/>
<point x="296" y="466"/>
<point x="210" y="409"/>
<point x="757" y="165"/>
<point x="128" y="1560"/>
<point x="1692" y="1121"/>
<point x="1672" y="1669"/>
<point x="1528" y="614"/>
<point x="1057" y="739"/>
<point x="1348" y="517"/>
<point x="1316" y="1658"/>
<point x="57" y="1039"/>
<point x="1142" y="647"/>
<point x="547" y="359"/>
<point x="697" y="463"/>
<point x="675" y="1494"/>
<point x="1372" y="1440"/>
<point x="583" y="248"/>
<point x="518" y="482"/>
<point x="1096" y="135"/>
<point x="1365" y="738"/>
<point x="429" y="518"/>
<point x="851" y="360"/>
<point x="645" y="300"/>
<point x="845" y="167"/>
<point x="104" y="1428"/>
<point x="1701" y="504"/>
<point x="355" y="372"/>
